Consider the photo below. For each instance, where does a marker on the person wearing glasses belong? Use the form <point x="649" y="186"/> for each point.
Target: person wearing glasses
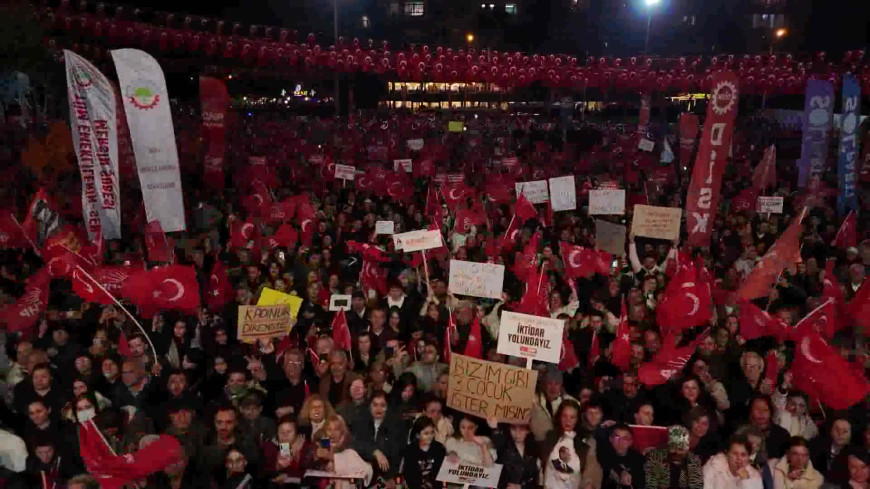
<point x="622" y="466"/>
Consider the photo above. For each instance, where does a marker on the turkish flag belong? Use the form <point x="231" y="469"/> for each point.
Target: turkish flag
<point x="155" y="239"/>
<point x="282" y="211"/>
<point x="111" y="278"/>
<point x="648" y="437"/>
<point x="499" y="191"/>
<point x="821" y="320"/>
<point x="22" y="315"/>
<point x="524" y="209"/>
<point x="594" y="350"/>
<point x="116" y="470"/>
<point x="821" y="372"/>
<point x="305" y="214"/>
<point x="582" y="262"/>
<point x="686" y="303"/>
<point x="340" y="331"/>
<point x="455" y="193"/>
<point x="568" y="357"/>
<point x="529" y="259"/>
<point x="285" y="237"/>
<point x="832" y="291"/>
<point x="755" y="323"/>
<point x="771" y="368"/>
<point x="171" y="287"/>
<point x="259" y="202"/>
<point x="241" y="232"/>
<point x="433" y="206"/>
<point x="745" y="200"/>
<point x="509" y="240"/>
<point x="219" y="288"/>
<point x="449" y="334"/>
<point x="535" y="300"/>
<point x="859" y="307"/>
<point x="764" y="175"/>
<point x="847" y="235"/>
<point x="620" y="349"/>
<point x="373" y="277"/>
<point x="668" y="362"/>
<point x="474" y="345"/>
<point x="11" y="235"/>
<point x="399" y="187"/>
<point x="368" y="251"/>
<point x="783" y="253"/>
<point x="465" y="218"/>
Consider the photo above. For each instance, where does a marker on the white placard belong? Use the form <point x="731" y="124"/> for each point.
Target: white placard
<point x="563" y="193"/>
<point x="607" y="201"/>
<point x="406" y="164"/>
<point x="535" y="337"/>
<point x="646" y="145"/>
<point x="535" y="191"/>
<point x="415" y="144"/>
<point x="345" y="172"/>
<point x="384" y="227"/>
<point x="469" y="474"/>
<point x="772" y="205"/>
<point x="476" y="279"/>
<point x="417" y="240"/>
<point x="339" y="302"/>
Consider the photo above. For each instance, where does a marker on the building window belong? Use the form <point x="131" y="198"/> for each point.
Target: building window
<point x="414" y="8"/>
<point x="394" y="8"/>
<point x="769" y="21"/>
<point x="510" y="8"/>
<point x="689" y="19"/>
<point x="365" y="22"/>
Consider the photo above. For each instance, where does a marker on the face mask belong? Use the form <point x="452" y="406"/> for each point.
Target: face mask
<point x="86" y="414"/>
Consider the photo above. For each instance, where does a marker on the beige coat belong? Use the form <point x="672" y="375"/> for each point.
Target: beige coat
<point x="811" y="478"/>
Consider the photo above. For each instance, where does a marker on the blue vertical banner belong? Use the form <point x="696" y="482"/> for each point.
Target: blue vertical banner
<point x="849" y="122"/>
<point x="818" y="113"/>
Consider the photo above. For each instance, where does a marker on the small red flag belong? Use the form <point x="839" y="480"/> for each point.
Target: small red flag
<point x="594" y="349"/>
<point x="859" y="307"/>
<point x="582" y="262"/>
<point x="241" y="232"/>
<point x="285" y="237"/>
<point x="620" y="350"/>
<point x="524" y="209"/>
<point x="568" y="357"/>
<point x="340" y="331"/>
<point x="755" y="323"/>
<point x="535" y="300"/>
<point x="668" y="362"/>
<point x="783" y="253"/>
<point x="474" y="345"/>
<point x="771" y="370"/>
<point x="686" y="303"/>
<point x="433" y="206"/>
<point x="455" y="193"/>
<point x="22" y="315"/>
<point x="155" y="239"/>
<point x="465" y="218"/>
<point x="509" y="240"/>
<point x="529" y="259"/>
<point x="765" y="173"/>
<point x="821" y="320"/>
<point x="449" y="335"/>
<point x="373" y="277"/>
<point x="847" y="235"/>
<point x="172" y="287"/>
<point x="219" y="288"/>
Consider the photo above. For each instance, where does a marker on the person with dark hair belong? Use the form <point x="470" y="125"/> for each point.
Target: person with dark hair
<point x="858" y="471"/>
<point x="621" y="465"/>
<point x="518" y="453"/>
<point x="827" y="449"/>
<point x="356" y="405"/>
<point x="675" y="467"/>
<point x="40" y="385"/>
<point x="795" y="470"/>
<point x="185" y="425"/>
<point x="404" y="396"/>
<point x="732" y="469"/>
<point x="227" y="434"/>
<point x="428" y="368"/>
<point x="423" y="456"/>
<point x="282" y="455"/>
<point x="46" y="467"/>
<point x="565" y="446"/>
<point x="260" y="428"/>
<point x="335" y="385"/>
<point x="761" y="416"/>
<point x="82" y="481"/>
<point x="622" y="404"/>
<point x="703" y="440"/>
<point x="380" y="436"/>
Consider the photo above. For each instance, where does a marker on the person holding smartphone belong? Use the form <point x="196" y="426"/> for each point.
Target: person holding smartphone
<point x="332" y="453"/>
<point x="283" y="454"/>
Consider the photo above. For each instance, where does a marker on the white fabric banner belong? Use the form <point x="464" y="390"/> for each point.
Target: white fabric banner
<point x="95" y="137"/>
<point x="146" y="103"/>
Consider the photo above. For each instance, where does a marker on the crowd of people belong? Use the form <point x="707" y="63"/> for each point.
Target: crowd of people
<point x="263" y="415"/>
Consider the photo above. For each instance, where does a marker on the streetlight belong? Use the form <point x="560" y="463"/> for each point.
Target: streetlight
<point x="777" y="34"/>
<point x="469" y="37"/>
<point x="649" y="5"/>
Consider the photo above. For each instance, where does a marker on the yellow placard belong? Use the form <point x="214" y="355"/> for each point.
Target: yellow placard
<point x="455" y="126"/>
<point x="263" y="322"/>
<point x="270" y="297"/>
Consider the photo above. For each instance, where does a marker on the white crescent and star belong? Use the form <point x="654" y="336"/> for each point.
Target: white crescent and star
<point x="696" y="303"/>
<point x="179" y="289"/>
<point x="514" y="234"/>
<point x="805" y="349"/>
<point x="392" y="191"/>
<point x="571" y="261"/>
<point x="452" y="194"/>
<point x="304" y="223"/>
<point x="247" y="229"/>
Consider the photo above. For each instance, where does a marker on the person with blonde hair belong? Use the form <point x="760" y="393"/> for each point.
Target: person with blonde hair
<point x="332" y="453"/>
<point x="313" y="415"/>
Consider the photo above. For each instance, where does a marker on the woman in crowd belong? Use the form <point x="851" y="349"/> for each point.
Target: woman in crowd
<point x="423" y="456"/>
<point x="355" y="405"/>
<point x="433" y="408"/>
<point x="237" y="470"/>
<point x="283" y="455"/>
<point x="569" y="460"/>
<point x="365" y="353"/>
<point x="703" y="441"/>
<point x="331" y="452"/>
<point x="795" y="470"/>
<point x="518" y="454"/>
<point x="313" y="415"/>
<point x="732" y="469"/>
<point x="858" y="463"/>
<point x="467" y="446"/>
<point x="791" y="412"/>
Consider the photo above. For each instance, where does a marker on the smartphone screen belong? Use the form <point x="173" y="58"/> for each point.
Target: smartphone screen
<point x="285" y="449"/>
<point x="388" y="351"/>
<point x="324" y="443"/>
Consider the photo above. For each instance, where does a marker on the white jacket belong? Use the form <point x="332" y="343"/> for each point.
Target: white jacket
<point x="348" y="463"/>
<point x="717" y="475"/>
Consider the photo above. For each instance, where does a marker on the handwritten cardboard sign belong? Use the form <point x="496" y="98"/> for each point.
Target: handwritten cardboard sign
<point x="476" y="279"/>
<point x="259" y="322"/>
<point x="656" y="222"/>
<point x="489" y="389"/>
<point x="271" y="297"/>
<point x="607" y="202"/>
<point x="535" y="191"/>
<point x="563" y="193"/>
<point x="646" y="145"/>
<point x="415" y="144"/>
<point x="405" y="164"/>
<point x="526" y="336"/>
<point x="469" y="474"/>
<point x="772" y="205"/>
<point x="610" y="237"/>
<point x="345" y="172"/>
<point x="417" y="240"/>
<point x="384" y="227"/>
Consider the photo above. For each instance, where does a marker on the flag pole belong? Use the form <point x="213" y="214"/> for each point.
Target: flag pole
<point x="509" y="226"/>
<point x="426" y="271"/>
<point x="15" y="220"/>
<point x="100" y="286"/>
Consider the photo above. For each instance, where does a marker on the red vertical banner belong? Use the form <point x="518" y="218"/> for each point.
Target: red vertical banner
<point x="703" y="196"/>
<point x="215" y="101"/>
<point x="689" y="125"/>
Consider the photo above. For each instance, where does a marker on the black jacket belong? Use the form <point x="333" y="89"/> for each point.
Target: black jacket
<point x="421" y="468"/>
<point x="517" y="469"/>
<point x="390" y="440"/>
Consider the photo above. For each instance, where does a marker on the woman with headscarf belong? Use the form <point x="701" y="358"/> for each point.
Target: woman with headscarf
<point x="675" y="467"/>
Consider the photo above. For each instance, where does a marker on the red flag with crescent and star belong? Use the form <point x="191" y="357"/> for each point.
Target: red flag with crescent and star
<point x="219" y="288"/>
<point x="821" y="320"/>
<point x="821" y="372"/>
<point x="241" y="232"/>
<point x="456" y="193"/>
<point x="783" y="253"/>
<point x="340" y="331"/>
<point x="474" y="345"/>
<point x="620" y="349"/>
<point x="686" y="303"/>
<point x="756" y="322"/>
<point x="524" y="209"/>
<point x="172" y="287"/>
<point x="847" y="235"/>
<point x="582" y="262"/>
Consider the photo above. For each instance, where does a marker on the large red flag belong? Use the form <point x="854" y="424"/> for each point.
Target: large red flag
<point x="689" y="125"/>
<point x="155" y="239"/>
<point x="524" y="209"/>
<point x="756" y="322"/>
<point x="340" y="331"/>
<point x="474" y="345"/>
<point x="259" y="202"/>
<point x="215" y="101"/>
<point x="113" y="471"/>
<point x="620" y="349"/>
<point x="582" y="262"/>
<point x="686" y="303"/>
<point x="821" y="320"/>
<point x="821" y="372"/>
<point x="764" y="175"/>
<point x="241" y="232"/>
<point x="111" y="278"/>
<point x="11" y="235"/>
<point x="667" y="362"/>
<point x="172" y="287"/>
<point x="783" y="253"/>
<point x="702" y="201"/>
<point x="373" y="277"/>
<point x="455" y="193"/>
<point x="847" y="235"/>
<point x="285" y="237"/>
<point x="25" y="311"/>
<point x="219" y="288"/>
